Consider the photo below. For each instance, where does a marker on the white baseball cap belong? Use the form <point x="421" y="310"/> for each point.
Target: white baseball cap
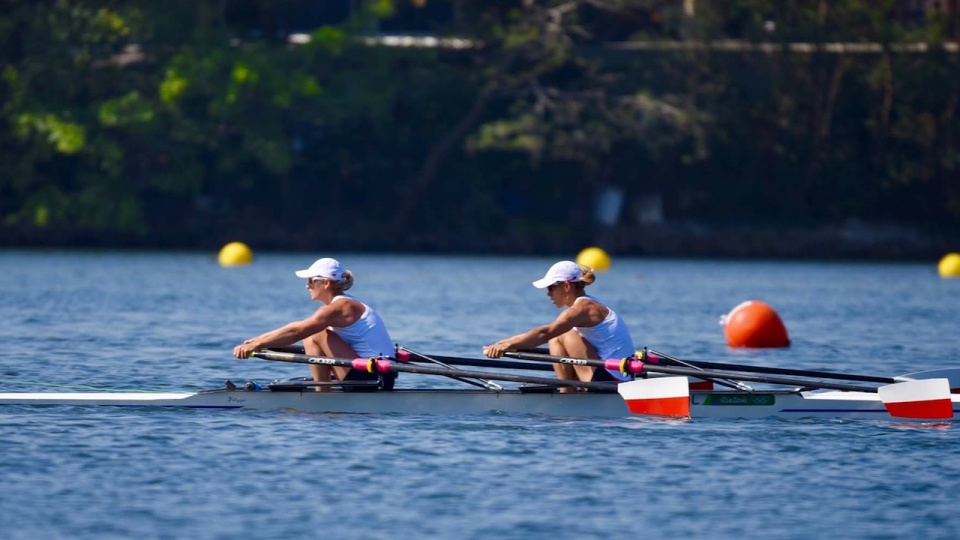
<point x="323" y="268"/>
<point x="562" y="271"/>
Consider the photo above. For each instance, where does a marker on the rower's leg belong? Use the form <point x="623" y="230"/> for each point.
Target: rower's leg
<point x="572" y="345"/>
<point x="563" y="371"/>
<point x="327" y="343"/>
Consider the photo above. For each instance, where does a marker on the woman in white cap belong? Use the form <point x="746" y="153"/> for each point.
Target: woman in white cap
<point x="586" y="329"/>
<point x="344" y="327"/>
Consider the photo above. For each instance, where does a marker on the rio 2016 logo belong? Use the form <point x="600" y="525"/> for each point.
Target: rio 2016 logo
<point x="751" y="400"/>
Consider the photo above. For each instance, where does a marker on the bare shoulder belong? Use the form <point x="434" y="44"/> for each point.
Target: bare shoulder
<point x="350" y="309"/>
<point x="579" y="314"/>
<point x="324" y="312"/>
<point x="592" y="308"/>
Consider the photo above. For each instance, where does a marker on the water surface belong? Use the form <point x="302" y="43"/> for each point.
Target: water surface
<point x="169" y="321"/>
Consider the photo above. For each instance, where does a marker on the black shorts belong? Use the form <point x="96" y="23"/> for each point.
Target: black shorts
<point x="602" y="375"/>
<point x="358" y="375"/>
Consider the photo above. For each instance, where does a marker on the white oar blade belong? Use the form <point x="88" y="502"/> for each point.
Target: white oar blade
<point x="924" y="399"/>
<point x="661" y="396"/>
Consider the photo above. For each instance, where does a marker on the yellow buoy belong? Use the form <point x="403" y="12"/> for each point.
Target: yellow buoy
<point x="595" y="258"/>
<point x="949" y="265"/>
<point x="235" y="254"/>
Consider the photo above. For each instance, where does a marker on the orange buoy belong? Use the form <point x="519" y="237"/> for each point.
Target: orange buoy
<point x="754" y="324"/>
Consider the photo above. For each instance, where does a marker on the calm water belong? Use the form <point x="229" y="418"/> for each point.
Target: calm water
<point x="168" y="321"/>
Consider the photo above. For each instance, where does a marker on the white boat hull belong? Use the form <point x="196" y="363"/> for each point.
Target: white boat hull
<point x="704" y="404"/>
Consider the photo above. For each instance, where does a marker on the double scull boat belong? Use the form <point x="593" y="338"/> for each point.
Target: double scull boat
<point x="703" y="403"/>
<point x="539" y="396"/>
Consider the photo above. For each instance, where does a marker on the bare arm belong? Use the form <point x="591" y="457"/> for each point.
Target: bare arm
<point x="339" y="314"/>
<point x="577" y="315"/>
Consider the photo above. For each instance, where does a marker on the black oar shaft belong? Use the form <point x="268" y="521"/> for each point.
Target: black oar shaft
<point x="452" y="360"/>
<point x="657" y="356"/>
<point x="670" y="370"/>
<point x="661" y="358"/>
<point x="699" y="373"/>
<point x="600" y="364"/>
<point x="457" y="361"/>
<point x="405" y="368"/>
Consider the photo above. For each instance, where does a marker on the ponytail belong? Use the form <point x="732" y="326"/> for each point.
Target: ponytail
<point x="347" y="281"/>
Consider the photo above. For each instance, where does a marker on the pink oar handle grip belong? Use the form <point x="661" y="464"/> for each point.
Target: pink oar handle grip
<point x="371" y="365"/>
<point x="403" y="356"/>
<point x="623" y="365"/>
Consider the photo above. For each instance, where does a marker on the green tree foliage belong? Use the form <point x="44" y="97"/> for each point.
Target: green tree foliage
<point x="867" y="133"/>
<point x="120" y="114"/>
<point x="184" y="123"/>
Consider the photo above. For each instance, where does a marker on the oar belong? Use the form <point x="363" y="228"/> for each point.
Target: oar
<point x="657" y="357"/>
<point x="639" y="367"/>
<point x="406" y="355"/>
<point x="925" y="399"/>
<point x="662" y="396"/>
<point x="488" y="385"/>
<point x="608" y="364"/>
<point x="374" y="365"/>
<point x="651" y="358"/>
<point x="484" y="383"/>
<point x="910" y="399"/>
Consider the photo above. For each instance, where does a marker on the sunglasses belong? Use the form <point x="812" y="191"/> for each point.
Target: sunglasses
<point x="551" y="288"/>
<point x="311" y="281"/>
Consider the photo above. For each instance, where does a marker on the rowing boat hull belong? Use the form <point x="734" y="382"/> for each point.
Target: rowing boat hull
<point x="704" y="404"/>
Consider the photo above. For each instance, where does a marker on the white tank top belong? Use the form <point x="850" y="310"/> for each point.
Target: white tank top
<point x="610" y="337"/>
<point x="367" y="336"/>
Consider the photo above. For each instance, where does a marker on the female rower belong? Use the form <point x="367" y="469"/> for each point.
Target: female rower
<point x="586" y="329"/>
<point x="343" y="327"/>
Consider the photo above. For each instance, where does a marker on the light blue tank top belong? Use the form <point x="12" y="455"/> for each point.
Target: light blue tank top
<point x="610" y="337"/>
<point x="368" y="335"/>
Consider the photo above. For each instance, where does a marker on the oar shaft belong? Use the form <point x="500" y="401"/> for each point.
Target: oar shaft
<point x="639" y="367"/>
<point x="386" y="366"/>
<point x="671" y="370"/>
<point x="405" y="355"/>
<point x="657" y="357"/>
<point x="660" y="359"/>
<point x="601" y="364"/>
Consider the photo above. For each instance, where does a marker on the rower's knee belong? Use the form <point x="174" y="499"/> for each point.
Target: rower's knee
<point x="327" y="343"/>
<point x="314" y="344"/>
<point x="558" y="346"/>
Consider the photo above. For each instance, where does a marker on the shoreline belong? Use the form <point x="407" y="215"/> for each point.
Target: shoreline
<point x="849" y="243"/>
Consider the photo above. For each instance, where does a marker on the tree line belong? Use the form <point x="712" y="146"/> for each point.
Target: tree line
<point x="186" y="124"/>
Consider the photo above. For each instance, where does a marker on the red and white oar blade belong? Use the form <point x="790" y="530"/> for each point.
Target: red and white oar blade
<point x="925" y="399"/>
<point x="661" y="396"/>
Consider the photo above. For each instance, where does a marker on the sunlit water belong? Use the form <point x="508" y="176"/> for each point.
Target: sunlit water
<point x="169" y="321"/>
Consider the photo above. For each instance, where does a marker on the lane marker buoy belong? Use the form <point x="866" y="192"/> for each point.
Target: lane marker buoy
<point x="754" y="324"/>
<point x="949" y="266"/>
<point x="595" y="258"/>
<point x="235" y="254"/>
